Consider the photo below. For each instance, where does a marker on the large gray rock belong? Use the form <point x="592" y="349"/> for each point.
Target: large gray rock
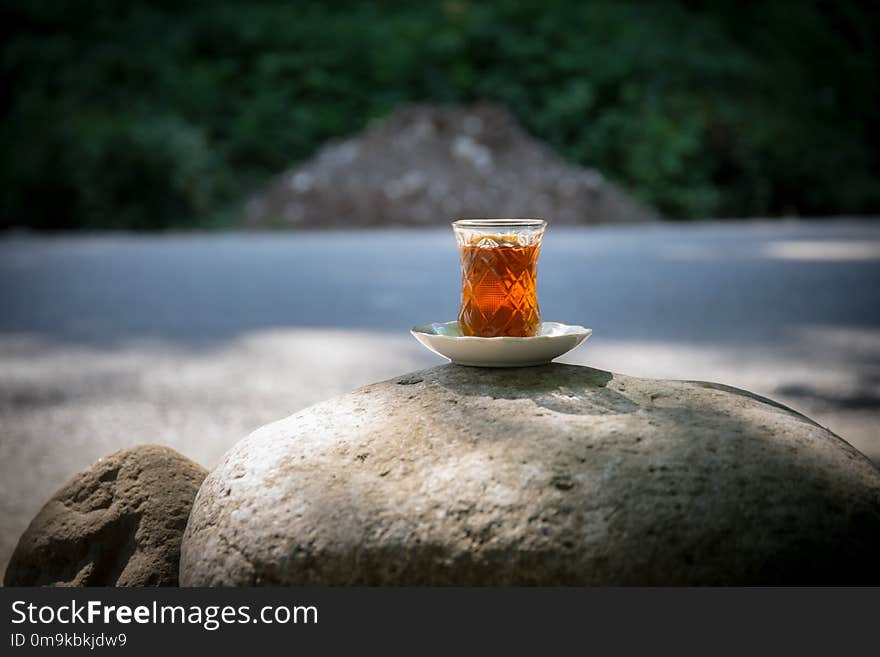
<point x="548" y="475"/>
<point x="117" y="523"/>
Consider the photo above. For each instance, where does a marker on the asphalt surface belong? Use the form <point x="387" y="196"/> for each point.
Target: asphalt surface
<point x="195" y="340"/>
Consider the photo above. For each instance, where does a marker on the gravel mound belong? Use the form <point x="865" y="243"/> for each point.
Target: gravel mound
<point x="425" y="165"/>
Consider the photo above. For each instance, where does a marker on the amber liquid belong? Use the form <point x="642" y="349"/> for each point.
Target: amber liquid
<point x="498" y="293"/>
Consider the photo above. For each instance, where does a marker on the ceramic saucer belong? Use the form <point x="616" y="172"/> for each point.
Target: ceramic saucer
<point x="553" y="340"/>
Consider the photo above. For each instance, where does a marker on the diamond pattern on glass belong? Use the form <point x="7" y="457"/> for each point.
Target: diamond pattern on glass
<point x="499" y="296"/>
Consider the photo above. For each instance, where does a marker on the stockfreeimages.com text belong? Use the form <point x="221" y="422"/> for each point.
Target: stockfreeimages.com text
<point x="210" y="617"/>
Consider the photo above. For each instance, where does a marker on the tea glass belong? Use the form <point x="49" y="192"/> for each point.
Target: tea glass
<point x="499" y="271"/>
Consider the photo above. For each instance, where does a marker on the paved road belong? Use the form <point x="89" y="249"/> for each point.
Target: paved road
<point x="687" y="284"/>
<point x="194" y="340"/>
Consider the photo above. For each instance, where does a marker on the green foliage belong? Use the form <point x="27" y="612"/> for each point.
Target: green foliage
<point x="157" y="114"/>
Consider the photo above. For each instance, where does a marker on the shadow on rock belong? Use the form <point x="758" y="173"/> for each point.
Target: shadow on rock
<point x="568" y="389"/>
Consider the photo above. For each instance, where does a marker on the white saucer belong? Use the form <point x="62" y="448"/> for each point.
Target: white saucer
<point x="553" y="340"/>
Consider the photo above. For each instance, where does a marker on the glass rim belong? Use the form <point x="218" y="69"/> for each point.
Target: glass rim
<point x="499" y="223"/>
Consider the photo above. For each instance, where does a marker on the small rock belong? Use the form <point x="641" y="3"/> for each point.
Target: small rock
<point x="117" y="523"/>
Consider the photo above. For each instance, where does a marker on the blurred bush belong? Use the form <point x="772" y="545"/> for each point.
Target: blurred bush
<point x="140" y="115"/>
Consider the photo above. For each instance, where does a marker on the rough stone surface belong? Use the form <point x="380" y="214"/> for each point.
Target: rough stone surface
<point x="425" y="165"/>
<point x="549" y="475"/>
<point x="117" y="523"/>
